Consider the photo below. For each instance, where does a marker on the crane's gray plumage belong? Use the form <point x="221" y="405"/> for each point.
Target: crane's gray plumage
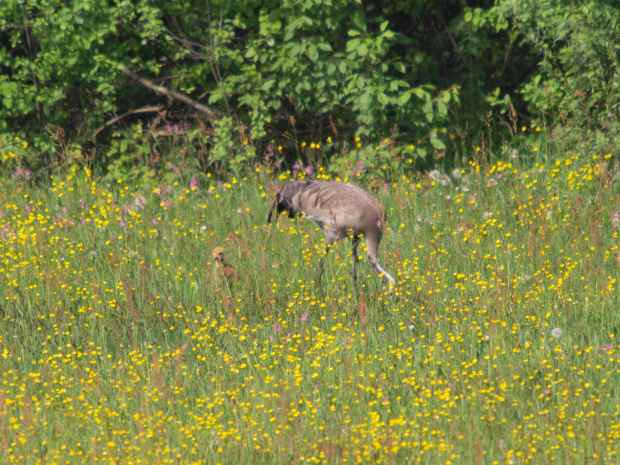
<point x="342" y="210"/>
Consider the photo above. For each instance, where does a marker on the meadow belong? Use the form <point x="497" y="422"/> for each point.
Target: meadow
<point x="498" y="344"/>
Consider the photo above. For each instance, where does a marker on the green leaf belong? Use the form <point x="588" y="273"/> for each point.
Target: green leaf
<point x="268" y="84"/>
<point x="404" y="98"/>
<point x="359" y="19"/>
<point x="353" y="44"/>
<point x="442" y="108"/>
<point x="438" y="144"/>
<point x="313" y="53"/>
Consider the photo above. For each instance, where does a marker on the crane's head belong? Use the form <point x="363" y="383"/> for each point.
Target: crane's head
<point x="283" y="201"/>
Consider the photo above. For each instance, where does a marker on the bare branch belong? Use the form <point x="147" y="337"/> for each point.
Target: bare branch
<point x="210" y="113"/>
<point x="134" y="111"/>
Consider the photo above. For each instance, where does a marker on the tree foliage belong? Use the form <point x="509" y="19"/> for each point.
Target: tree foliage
<point x="276" y="72"/>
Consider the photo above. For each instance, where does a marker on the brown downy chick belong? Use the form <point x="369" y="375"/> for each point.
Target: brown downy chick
<point x="222" y="270"/>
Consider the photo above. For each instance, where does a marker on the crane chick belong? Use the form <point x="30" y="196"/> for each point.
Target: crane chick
<point x="221" y="270"/>
<point x="341" y="210"/>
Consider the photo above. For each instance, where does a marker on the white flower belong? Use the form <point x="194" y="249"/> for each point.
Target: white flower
<point x="556" y="332"/>
<point x="411" y="327"/>
<point x="486" y="216"/>
<point x="456" y="173"/>
<point x="203" y="228"/>
<point x="140" y="201"/>
<point x="434" y="175"/>
<point x="445" y="180"/>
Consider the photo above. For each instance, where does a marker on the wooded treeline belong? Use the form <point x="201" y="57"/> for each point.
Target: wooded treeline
<point x="98" y="81"/>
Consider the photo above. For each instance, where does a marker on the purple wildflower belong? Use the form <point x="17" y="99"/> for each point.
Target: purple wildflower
<point x="167" y="190"/>
<point x="606" y="347"/>
<point x="304" y="317"/>
<point x="173" y="128"/>
<point x="64" y="209"/>
<point x="165" y="203"/>
<point x="175" y="170"/>
<point x="194" y="183"/>
<point x="83" y="221"/>
<point x="386" y="185"/>
<point x="112" y="236"/>
<point x="276" y="328"/>
<point x="297" y="166"/>
<point x="82" y="203"/>
<point x="308" y="170"/>
<point x="154" y="221"/>
<point x="271" y="337"/>
<point x="127" y="208"/>
<point x="380" y="224"/>
<point x="278" y="165"/>
<point x="28" y="208"/>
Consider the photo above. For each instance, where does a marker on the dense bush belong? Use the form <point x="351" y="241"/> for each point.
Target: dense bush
<point x="255" y="74"/>
<point x="575" y="89"/>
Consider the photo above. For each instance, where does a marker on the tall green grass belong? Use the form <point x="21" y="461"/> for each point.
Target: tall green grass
<point x="497" y="346"/>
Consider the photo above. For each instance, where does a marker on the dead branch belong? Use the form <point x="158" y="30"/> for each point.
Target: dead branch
<point x="210" y="113"/>
<point x="134" y="111"/>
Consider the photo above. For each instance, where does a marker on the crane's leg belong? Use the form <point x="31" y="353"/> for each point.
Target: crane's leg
<point x="355" y="240"/>
<point x="329" y="240"/>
